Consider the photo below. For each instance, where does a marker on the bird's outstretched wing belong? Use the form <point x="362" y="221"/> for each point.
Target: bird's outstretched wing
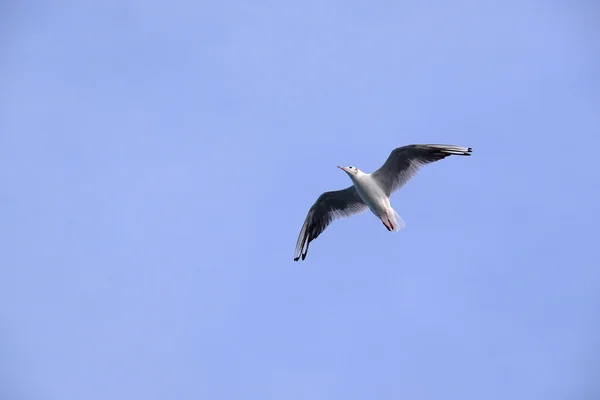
<point x="404" y="162"/>
<point x="329" y="206"/>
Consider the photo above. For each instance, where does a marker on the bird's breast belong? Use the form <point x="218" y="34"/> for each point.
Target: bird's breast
<point x="372" y="195"/>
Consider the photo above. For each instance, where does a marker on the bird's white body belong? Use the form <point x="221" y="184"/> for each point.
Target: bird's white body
<point x="375" y="198"/>
<point x="370" y="192"/>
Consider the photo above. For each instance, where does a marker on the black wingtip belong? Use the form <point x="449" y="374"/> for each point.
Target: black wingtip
<point x="468" y="152"/>
<point x="303" y="257"/>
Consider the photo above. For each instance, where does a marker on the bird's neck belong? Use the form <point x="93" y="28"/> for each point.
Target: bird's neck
<point x="357" y="178"/>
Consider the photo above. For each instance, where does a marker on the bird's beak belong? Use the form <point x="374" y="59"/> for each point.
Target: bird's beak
<point x="342" y="168"/>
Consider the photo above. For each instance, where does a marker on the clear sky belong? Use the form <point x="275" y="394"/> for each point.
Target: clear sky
<point x="157" y="160"/>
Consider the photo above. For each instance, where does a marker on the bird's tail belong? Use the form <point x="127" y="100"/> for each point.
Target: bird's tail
<point x="396" y="221"/>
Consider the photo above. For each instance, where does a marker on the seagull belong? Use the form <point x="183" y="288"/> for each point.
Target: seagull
<point x="372" y="191"/>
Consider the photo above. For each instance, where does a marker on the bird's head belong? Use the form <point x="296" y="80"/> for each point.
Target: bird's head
<point x="352" y="171"/>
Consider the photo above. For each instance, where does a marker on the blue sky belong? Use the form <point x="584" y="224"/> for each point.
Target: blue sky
<point x="157" y="161"/>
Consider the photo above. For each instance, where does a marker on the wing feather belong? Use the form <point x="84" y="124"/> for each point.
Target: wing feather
<point x="328" y="207"/>
<point x="404" y="162"/>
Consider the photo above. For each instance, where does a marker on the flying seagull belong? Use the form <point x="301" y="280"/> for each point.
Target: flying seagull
<point x="372" y="191"/>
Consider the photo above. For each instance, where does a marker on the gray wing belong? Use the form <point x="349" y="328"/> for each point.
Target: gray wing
<point x="404" y="162"/>
<point x="328" y="207"/>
